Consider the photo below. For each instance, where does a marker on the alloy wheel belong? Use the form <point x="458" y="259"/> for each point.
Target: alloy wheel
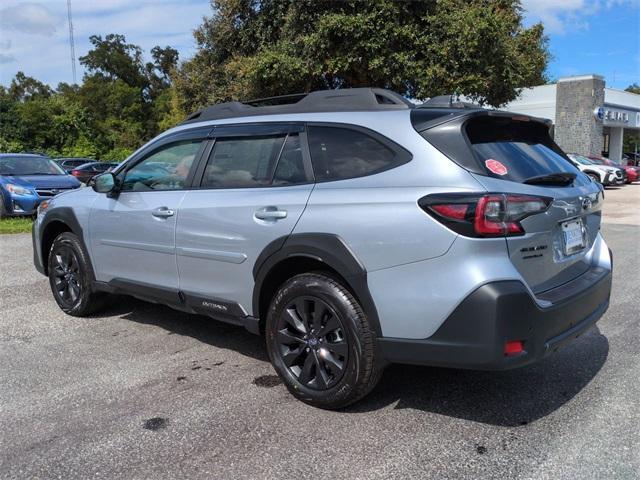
<point x="312" y="342"/>
<point x="66" y="275"/>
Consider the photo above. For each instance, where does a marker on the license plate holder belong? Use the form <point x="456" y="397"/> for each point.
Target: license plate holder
<point x="572" y="236"/>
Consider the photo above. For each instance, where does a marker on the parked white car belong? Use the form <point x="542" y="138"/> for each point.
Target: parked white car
<point x="603" y="174"/>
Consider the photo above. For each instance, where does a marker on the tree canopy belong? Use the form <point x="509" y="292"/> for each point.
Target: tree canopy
<point x="121" y="102"/>
<point x="256" y="48"/>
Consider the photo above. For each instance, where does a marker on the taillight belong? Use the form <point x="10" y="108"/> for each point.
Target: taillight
<point x="477" y="215"/>
<point x="75" y="173"/>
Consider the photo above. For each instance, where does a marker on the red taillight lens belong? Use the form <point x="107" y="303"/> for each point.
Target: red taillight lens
<point x="492" y="215"/>
<point x="458" y="211"/>
<point x="75" y="173"/>
<point x="514" y="347"/>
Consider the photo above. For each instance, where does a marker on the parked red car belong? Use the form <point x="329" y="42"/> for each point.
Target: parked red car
<point x="633" y="173"/>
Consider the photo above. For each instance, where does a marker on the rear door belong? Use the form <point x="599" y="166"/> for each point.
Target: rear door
<point x="253" y="185"/>
<point x="518" y="156"/>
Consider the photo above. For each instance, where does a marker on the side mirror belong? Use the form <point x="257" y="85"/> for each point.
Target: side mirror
<point x="104" y="183"/>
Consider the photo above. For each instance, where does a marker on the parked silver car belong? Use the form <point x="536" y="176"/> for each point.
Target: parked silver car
<point x="352" y="229"/>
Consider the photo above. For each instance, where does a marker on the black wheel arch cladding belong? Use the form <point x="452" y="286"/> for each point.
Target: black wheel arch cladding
<point x="67" y="217"/>
<point x="328" y="249"/>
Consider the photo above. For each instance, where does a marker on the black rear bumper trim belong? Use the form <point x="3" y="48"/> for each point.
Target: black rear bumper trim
<point x="474" y="335"/>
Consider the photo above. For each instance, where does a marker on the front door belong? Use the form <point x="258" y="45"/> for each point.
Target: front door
<point x="254" y="186"/>
<point x="133" y="233"/>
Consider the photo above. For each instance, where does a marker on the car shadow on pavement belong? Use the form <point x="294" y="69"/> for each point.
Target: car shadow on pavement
<point x="201" y="328"/>
<point x="508" y="398"/>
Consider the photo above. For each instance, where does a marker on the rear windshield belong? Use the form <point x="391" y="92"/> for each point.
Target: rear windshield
<point x="515" y="150"/>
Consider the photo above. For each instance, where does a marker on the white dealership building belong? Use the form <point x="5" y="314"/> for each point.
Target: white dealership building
<point x="588" y="118"/>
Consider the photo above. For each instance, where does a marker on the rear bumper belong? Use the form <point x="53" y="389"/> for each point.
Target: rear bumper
<point x="474" y="335"/>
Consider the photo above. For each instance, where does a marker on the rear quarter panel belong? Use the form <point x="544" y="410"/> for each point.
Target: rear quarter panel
<point x="378" y="215"/>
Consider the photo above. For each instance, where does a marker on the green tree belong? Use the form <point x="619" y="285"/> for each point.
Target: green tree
<point x="253" y="48"/>
<point x="121" y="103"/>
<point x="24" y="88"/>
<point x="115" y="59"/>
<point x="633" y="88"/>
<point x="631" y="138"/>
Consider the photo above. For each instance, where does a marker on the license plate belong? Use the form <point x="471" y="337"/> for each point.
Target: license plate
<point x="572" y="234"/>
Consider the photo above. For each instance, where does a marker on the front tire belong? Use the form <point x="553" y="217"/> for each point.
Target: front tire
<point x="70" y="277"/>
<point x="320" y="342"/>
<point x="595" y="178"/>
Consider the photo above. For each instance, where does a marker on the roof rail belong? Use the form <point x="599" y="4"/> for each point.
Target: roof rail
<point x="342" y="100"/>
<point x="278" y="100"/>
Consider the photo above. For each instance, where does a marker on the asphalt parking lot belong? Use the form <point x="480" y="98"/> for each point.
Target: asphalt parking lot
<point x="142" y="391"/>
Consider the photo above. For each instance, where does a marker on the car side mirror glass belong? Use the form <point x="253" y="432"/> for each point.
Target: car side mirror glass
<point x="104" y="183"/>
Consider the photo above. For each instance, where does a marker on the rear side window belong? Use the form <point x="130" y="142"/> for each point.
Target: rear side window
<point x="255" y="162"/>
<point x="339" y="153"/>
<point x="515" y="150"/>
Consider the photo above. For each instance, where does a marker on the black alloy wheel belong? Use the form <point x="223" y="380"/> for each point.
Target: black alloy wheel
<point x="71" y="277"/>
<point x="67" y="276"/>
<point x="320" y="341"/>
<point x="312" y="343"/>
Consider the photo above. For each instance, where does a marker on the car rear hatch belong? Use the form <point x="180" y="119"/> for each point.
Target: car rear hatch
<point x="514" y="158"/>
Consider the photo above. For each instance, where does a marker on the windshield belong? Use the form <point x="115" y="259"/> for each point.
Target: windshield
<point x="29" y="166"/>
<point x="582" y="160"/>
<point x="597" y="161"/>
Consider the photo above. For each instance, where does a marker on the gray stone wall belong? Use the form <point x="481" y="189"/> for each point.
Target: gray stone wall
<point x="577" y="129"/>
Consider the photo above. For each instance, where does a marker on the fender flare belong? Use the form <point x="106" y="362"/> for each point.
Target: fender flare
<point x="595" y="172"/>
<point x="67" y="216"/>
<point x="327" y="248"/>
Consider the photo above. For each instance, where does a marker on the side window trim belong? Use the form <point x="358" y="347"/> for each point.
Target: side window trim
<point x="401" y="154"/>
<point x="220" y="132"/>
<point x="274" y="167"/>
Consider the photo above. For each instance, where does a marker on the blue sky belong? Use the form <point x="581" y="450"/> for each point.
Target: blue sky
<point x="586" y="36"/>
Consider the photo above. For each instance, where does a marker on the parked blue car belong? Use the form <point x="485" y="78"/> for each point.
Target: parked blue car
<point x="26" y="180"/>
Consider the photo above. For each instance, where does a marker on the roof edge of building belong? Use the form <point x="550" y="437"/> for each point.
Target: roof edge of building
<point x="577" y="78"/>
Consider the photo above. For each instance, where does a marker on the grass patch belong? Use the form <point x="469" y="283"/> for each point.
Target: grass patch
<point x="15" y="225"/>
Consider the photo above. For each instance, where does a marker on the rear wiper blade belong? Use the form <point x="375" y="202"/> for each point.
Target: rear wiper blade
<point x="560" y="178"/>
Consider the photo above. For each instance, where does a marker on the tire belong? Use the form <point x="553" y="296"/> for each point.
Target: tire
<point x="594" y="177"/>
<point x="70" y="277"/>
<point x="3" y="211"/>
<point x="326" y="360"/>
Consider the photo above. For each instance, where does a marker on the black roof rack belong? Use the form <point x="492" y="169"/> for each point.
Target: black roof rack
<point x="348" y="99"/>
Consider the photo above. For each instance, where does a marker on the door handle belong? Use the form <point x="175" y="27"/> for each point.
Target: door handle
<point x="162" y="212"/>
<point x="270" y="213"/>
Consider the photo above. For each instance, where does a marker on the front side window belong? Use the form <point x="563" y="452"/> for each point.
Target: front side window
<point x="341" y="153"/>
<point x="165" y="169"/>
<point x="259" y="161"/>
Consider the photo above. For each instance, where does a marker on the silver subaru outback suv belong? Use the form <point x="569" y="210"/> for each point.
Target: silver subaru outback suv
<point x="350" y="228"/>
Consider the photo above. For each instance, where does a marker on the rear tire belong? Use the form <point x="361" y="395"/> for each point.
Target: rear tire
<point x="320" y="342"/>
<point x="70" y="277"/>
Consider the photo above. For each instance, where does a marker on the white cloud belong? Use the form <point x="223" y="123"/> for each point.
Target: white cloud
<point x="564" y="16"/>
<point x="32" y="18"/>
<point x="144" y="22"/>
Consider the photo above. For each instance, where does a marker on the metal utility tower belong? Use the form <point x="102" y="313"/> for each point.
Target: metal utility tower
<point x="71" y="42"/>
